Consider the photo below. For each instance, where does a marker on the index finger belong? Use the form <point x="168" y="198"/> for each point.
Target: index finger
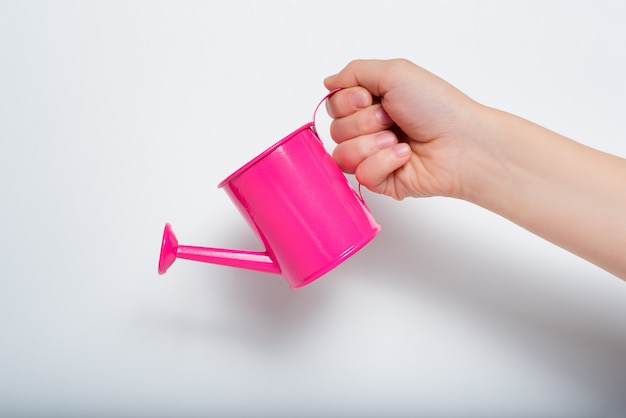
<point x="375" y="75"/>
<point x="347" y="101"/>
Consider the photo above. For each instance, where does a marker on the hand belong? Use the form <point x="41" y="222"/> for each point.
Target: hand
<point x="405" y="132"/>
<point x="400" y="129"/>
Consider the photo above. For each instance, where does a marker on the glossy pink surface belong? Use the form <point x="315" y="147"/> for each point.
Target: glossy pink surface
<point x="300" y="205"/>
<point x="253" y="260"/>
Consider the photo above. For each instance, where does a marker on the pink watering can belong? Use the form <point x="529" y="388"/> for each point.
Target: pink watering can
<point x="299" y="204"/>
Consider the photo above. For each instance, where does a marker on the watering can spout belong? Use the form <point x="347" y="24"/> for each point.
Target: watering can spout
<point x="251" y="260"/>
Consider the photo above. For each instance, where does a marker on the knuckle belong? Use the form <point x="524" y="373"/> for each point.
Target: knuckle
<point x="367" y="122"/>
<point x="364" y="147"/>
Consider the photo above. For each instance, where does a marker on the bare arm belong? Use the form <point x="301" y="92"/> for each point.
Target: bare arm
<point x="405" y="132"/>
<point x="568" y="193"/>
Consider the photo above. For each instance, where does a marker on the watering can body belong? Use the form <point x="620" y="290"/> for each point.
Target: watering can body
<point x="299" y="204"/>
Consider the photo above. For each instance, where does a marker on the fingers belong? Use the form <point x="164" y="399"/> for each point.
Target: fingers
<point x="377" y="76"/>
<point x="348" y="101"/>
<point x="355" y="114"/>
<point x="364" y="73"/>
<point x="373" y="158"/>
<point x="360" y="125"/>
<point x="364" y="122"/>
<point x="349" y="154"/>
<point x="376" y="172"/>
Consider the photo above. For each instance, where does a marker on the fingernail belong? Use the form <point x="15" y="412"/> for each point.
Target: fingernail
<point x="359" y="99"/>
<point x="329" y="110"/>
<point x="383" y="117"/>
<point x="385" y="140"/>
<point x="401" y="150"/>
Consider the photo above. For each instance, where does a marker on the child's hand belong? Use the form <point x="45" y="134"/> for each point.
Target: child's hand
<point x="401" y="130"/>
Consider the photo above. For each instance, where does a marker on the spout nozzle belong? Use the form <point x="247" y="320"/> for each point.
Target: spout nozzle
<point x="252" y="260"/>
<point x="169" y="248"/>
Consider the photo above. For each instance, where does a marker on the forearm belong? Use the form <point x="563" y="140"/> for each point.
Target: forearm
<point x="563" y="191"/>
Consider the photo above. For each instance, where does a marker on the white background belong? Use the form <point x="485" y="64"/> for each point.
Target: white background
<point x="116" y="117"/>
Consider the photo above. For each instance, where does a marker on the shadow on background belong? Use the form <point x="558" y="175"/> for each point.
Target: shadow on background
<point x="519" y="301"/>
<point x="268" y="314"/>
<point x="523" y="303"/>
<point x="255" y="310"/>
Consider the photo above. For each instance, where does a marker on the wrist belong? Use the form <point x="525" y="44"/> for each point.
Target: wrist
<point x="489" y="158"/>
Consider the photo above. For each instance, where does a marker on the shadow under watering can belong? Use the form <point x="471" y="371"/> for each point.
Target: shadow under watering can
<point x="299" y="204"/>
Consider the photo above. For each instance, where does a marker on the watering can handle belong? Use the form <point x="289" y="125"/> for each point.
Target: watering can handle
<point x="330" y="93"/>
